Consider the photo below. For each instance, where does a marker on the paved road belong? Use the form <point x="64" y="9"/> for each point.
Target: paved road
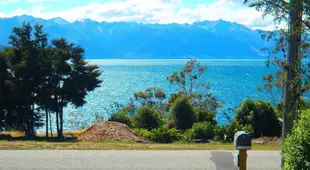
<point x="134" y="160"/>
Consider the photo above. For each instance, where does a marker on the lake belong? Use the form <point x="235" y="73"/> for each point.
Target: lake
<point x="231" y="81"/>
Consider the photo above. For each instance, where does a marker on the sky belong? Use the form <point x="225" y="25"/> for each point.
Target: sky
<point x="141" y="11"/>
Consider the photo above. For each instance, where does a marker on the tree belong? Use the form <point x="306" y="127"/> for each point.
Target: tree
<point x="5" y="90"/>
<point x="291" y="42"/>
<point x="296" y="14"/>
<point x="183" y="113"/>
<point x="72" y="78"/>
<point x="26" y="68"/>
<point x="36" y="76"/>
<point x="190" y="82"/>
<point x="152" y="96"/>
<point x="147" y="117"/>
<point x="260" y="115"/>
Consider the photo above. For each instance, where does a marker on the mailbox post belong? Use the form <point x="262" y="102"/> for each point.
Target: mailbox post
<point x="242" y="142"/>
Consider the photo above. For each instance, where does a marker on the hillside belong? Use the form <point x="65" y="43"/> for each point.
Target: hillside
<point x="207" y="39"/>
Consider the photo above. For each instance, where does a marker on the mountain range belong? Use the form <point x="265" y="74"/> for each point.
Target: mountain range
<point x="109" y="40"/>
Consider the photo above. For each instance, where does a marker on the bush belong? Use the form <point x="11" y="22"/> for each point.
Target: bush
<point x="183" y="113"/>
<point x="165" y="135"/>
<point x="201" y="130"/>
<point x="225" y="133"/>
<point x="205" y="116"/>
<point x="161" y="135"/>
<point x="147" y="117"/>
<point x="144" y="132"/>
<point x="261" y="115"/>
<point x="297" y="145"/>
<point x="121" y="117"/>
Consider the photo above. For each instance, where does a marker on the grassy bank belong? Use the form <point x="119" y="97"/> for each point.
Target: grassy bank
<point x="34" y="145"/>
<point x="69" y="143"/>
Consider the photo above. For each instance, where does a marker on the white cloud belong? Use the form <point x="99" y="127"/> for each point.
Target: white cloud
<point x="159" y="11"/>
<point x="18" y="12"/>
<point x="34" y="1"/>
<point x="6" y="2"/>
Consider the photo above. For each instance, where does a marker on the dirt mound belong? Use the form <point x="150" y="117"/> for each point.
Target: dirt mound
<point x="108" y="131"/>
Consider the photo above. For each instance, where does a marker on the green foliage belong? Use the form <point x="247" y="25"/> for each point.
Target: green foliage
<point x="183" y="113"/>
<point x="153" y="97"/>
<point x="38" y="76"/>
<point x="121" y="117"/>
<point x="189" y="82"/>
<point x="144" y="132"/>
<point x="225" y="133"/>
<point x="165" y="135"/>
<point x="304" y="104"/>
<point x="297" y="144"/>
<point x="173" y="98"/>
<point x="147" y="117"/>
<point x="161" y="135"/>
<point x="205" y="116"/>
<point x="150" y="96"/>
<point x="201" y="130"/>
<point x="260" y="115"/>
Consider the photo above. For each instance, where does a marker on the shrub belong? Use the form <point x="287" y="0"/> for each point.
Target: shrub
<point x="205" y="116"/>
<point x="297" y="145"/>
<point x="201" y="130"/>
<point x="144" y="132"/>
<point x="165" y="135"/>
<point x="261" y="115"/>
<point x="147" y="117"/>
<point x="183" y="113"/>
<point x="161" y="135"/>
<point x="225" y="133"/>
<point x="121" y="117"/>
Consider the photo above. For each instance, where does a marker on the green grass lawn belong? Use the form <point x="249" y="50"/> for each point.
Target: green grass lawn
<point x="38" y="145"/>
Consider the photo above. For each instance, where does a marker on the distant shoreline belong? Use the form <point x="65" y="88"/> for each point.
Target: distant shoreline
<point x="176" y="61"/>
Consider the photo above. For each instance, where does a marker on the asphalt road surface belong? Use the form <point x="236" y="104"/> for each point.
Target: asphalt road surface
<point x="134" y="160"/>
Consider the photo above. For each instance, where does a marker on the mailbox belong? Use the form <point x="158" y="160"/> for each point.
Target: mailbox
<point x="242" y="140"/>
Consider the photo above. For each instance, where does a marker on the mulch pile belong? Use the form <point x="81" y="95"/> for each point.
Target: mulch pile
<point x="109" y="131"/>
<point x="268" y="140"/>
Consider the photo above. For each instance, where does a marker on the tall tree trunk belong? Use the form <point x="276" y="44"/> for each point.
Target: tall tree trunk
<point x="50" y="117"/>
<point x="29" y="128"/>
<point x="291" y="88"/>
<point x="61" y="122"/>
<point x="46" y="121"/>
<point x="57" y="122"/>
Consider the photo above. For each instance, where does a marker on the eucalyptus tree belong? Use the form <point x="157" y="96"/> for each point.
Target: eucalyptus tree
<point x="291" y="47"/>
<point x="190" y="82"/>
<point x="153" y="97"/>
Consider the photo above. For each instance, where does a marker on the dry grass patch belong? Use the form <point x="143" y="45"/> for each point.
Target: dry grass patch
<point x="129" y="145"/>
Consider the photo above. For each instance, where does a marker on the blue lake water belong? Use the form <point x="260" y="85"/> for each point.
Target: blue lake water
<point x="231" y="81"/>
